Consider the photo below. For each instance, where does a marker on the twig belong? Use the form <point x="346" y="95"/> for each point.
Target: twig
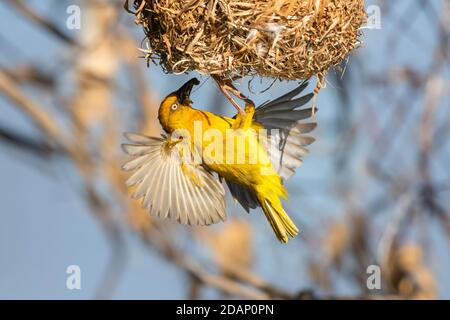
<point x="42" y="22"/>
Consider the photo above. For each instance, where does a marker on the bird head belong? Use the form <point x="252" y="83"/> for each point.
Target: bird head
<point x="174" y="104"/>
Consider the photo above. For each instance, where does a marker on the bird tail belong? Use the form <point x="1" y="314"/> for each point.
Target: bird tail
<point x="279" y="220"/>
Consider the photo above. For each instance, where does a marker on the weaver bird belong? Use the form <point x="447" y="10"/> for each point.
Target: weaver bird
<point x="173" y="185"/>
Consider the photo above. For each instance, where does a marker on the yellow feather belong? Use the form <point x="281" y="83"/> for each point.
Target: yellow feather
<point x="256" y="174"/>
<point x="260" y="177"/>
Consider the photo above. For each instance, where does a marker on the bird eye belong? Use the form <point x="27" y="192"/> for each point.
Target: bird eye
<point x="174" y="106"/>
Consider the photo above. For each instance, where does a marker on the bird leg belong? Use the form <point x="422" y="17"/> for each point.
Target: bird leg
<point x="249" y="112"/>
<point x="170" y="143"/>
<point x="225" y="87"/>
<point x="244" y="121"/>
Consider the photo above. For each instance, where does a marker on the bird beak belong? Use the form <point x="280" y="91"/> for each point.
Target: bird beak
<point x="184" y="92"/>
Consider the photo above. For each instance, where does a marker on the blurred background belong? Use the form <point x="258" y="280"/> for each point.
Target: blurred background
<point x="374" y="190"/>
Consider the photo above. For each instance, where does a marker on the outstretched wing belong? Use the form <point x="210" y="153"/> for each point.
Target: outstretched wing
<point x="242" y="195"/>
<point x="287" y="142"/>
<point x="170" y="186"/>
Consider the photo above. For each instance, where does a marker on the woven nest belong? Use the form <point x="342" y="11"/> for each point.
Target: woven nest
<point x="285" y="39"/>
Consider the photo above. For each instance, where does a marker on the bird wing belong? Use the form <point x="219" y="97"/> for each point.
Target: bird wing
<point x="172" y="186"/>
<point x="289" y="141"/>
<point x="242" y="195"/>
<point x="287" y="144"/>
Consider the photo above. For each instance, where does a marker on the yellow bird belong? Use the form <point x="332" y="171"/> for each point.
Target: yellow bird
<point x="254" y="152"/>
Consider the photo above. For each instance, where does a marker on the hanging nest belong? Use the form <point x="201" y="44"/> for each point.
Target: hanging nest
<point x="285" y="39"/>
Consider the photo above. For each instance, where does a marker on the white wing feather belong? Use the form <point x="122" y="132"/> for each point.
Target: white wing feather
<point x="166" y="191"/>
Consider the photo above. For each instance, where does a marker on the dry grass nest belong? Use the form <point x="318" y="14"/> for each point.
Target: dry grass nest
<point x="285" y="39"/>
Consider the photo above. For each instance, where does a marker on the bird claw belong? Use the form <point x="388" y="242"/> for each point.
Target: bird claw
<point x="227" y="87"/>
